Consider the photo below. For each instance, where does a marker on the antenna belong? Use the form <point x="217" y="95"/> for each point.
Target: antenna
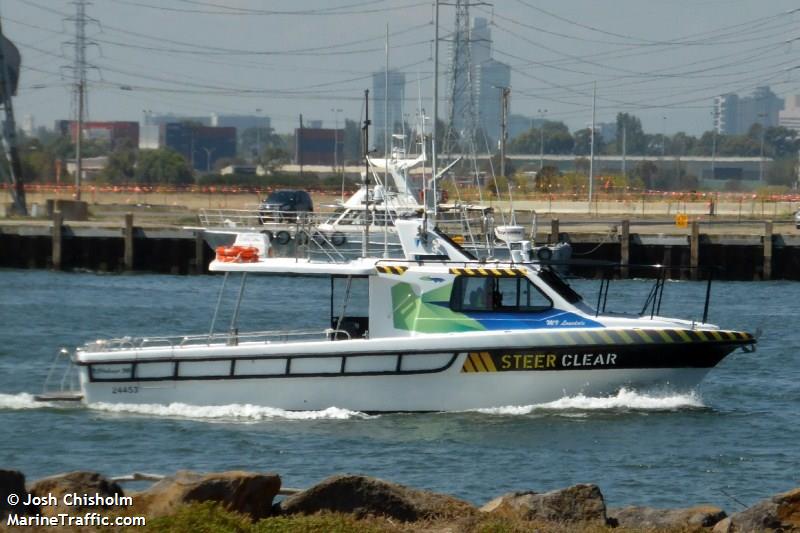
<point x="365" y="180"/>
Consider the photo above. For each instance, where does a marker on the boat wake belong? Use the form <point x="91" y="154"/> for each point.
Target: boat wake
<point x="624" y="400"/>
<point x="21" y="401"/>
<point x="222" y="413"/>
<point x="225" y="413"/>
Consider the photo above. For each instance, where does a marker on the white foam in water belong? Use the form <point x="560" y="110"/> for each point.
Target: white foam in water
<point x="20" y="401"/>
<point x="238" y="412"/>
<point x="625" y="399"/>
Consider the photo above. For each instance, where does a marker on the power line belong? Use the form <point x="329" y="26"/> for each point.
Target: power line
<point x="230" y="10"/>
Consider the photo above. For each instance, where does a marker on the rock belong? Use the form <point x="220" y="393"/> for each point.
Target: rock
<point x="362" y="496"/>
<point x="81" y="484"/>
<point x="13" y="482"/>
<point x="243" y="492"/>
<point x="781" y="512"/>
<point x="579" y="503"/>
<point x="647" y="517"/>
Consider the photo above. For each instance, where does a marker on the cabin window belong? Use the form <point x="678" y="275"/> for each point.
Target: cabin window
<point x="352" y="217"/>
<point x="497" y="294"/>
<point x="382" y="218"/>
<point x="335" y="216"/>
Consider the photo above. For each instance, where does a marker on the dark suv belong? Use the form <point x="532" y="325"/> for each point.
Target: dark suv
<point x="284" y="205"/>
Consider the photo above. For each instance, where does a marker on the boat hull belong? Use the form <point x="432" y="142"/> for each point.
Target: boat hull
<point x="383" y="380"/>
<point x="374" y="394"/>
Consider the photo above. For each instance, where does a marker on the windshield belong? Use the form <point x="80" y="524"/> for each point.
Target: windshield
<point x="281" y="197"/>
<point x="555" y="282"/>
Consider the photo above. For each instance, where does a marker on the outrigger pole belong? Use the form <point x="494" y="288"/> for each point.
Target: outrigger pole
<point x="435" y="110"/>
<point x="365" y="181"/>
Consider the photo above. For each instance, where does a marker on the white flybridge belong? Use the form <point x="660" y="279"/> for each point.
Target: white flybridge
<point x="443" y="332"/>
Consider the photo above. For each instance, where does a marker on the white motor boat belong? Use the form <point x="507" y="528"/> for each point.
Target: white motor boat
<point x="443" y="332"/>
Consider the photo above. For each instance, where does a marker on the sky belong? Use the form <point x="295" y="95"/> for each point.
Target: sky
<point x="662" y="60"/>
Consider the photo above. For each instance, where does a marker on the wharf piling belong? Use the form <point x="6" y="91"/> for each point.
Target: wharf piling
<point x="128" y="236"/>
<point x="767" y="268"/>
<point x="555" y="234"/>
<point x="58" y="220"/>
<point x="625" y="248"/>
<point x="694" y="251"/>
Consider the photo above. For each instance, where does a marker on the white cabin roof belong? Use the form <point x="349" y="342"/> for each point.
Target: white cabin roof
<point x="288" y="266"/>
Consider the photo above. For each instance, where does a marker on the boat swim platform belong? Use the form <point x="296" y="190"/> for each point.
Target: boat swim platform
<point x="737" y="250"/>
<point x="65" y="396"/>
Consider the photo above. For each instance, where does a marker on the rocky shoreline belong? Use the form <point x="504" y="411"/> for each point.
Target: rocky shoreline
<point x="253" y="495"/>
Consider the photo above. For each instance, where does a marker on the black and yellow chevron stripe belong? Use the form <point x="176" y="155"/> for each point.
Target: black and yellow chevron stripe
<point x="391" y="269"/>
<point x="488" y="271"/>
<point x="622" y="337"/>
<point x="479" y="362"/>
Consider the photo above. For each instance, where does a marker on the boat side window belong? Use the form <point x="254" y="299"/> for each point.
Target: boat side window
<point x="497" y="294"/>
<point x="351" y="217"/>
<point x="382" y="218"/>
<point x="336" y="215"/>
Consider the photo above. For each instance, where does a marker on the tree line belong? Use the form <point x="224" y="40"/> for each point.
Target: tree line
<point x="43" y="153"/>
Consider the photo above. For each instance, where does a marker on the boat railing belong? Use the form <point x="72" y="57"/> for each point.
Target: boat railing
<point x="655" y="296"/>
<point x="230" y="338"/>
<point x="229" y="218"/>
<point x="277" y="219"/>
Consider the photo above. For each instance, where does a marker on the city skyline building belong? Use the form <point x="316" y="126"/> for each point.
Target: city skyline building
<point x="491" y="77"/>
<point x="152" y="118"/>
<point x="114" y="133"/>
<point x="735" y="115"/>
<point x="240" y="122"/>
<point x="202" y="146"/>
<point x="789" y="116"/>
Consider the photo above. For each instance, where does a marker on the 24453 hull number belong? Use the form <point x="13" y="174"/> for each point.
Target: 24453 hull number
<point x="127" y="389"/>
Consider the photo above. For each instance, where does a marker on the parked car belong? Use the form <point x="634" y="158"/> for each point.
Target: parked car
<point x="284" y="205"/>
<point x="797" y="219"/>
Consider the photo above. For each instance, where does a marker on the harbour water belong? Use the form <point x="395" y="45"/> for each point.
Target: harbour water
<point x="733" y="440"/>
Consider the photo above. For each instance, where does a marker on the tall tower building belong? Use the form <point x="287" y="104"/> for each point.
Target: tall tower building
<point x="760" y="108"/>
<point x="726" y="114"/>
<point x="396" y="96"/>
<point x="490" y="77"/>
<point x="476" y="79"/>
<point x="734" y="115"/>
<point x="480" y="41"/>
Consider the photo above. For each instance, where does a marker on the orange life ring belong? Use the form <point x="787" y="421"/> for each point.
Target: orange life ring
<point x="237" y="254"/>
